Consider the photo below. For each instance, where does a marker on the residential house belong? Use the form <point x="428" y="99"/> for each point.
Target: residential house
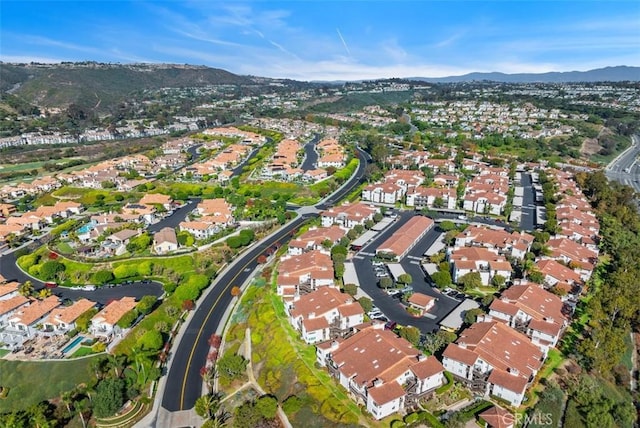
<point x="27" y="318"/>
<point x="63" y="318"/>
<point x="157" y="199"/>
<point x="199" y="229"/>
<point x="493" y="358"/>
<point x="104" y="323"/>
<point x="421" y="302"/>
<point x="116" y="243"/>
<point x="8" y="290"/>
<point x="165" y="241"/>
<point x="348" y="215"/>
<point x="314" y="238"/>
<point x="533" y="311"/>
<point x="476" y="259"/>
<point x="324" y="314"/>
<point x="514" y="244"/>
<point x="381" y="370"/>
<point x="431" y="197"/>
<point x="304" y="273"/>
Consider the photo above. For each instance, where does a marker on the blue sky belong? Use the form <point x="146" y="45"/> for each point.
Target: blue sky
<point x="328" y="40"/>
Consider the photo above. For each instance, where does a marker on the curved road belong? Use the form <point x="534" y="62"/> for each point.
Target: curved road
<point x="184" y="383"/>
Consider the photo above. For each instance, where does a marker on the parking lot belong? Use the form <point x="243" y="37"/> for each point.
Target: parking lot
<point x="390" y="307"/>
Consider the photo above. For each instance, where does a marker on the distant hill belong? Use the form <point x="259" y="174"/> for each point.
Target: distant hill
<point x="608" y="74"/>
<point x="96" y="85"/>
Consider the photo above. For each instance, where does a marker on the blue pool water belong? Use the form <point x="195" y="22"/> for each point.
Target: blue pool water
<point x="73" y="343"/>
<point x="85" y="229"/>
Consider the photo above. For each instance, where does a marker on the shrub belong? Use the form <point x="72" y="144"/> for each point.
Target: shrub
<point x="25" y="262"/>
<point x="103" y="277"/>
<point x="125" y="271"/>
<point x="151" y="341"/>
<point x="234" y="242"/>
<point x="187" y="292"/>
<point x="127" y="319"/>
<point x="292" y="404"/>
<point x="144" y="268"/>
<point x="48" y="270"/>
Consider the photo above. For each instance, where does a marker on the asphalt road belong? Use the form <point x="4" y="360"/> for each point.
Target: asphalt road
<point x="179" y="214"/>
<point x="184" y="383"/>
<point x="391" y="307"/>
<point x="311" y="155"/>
<point x="528" y="220"/>
<point x="625" y="169"/>
<point x="104" y="295"/>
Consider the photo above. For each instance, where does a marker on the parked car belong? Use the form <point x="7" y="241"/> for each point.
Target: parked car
<point x="50" y="285"/>
<point x="390" y="325"/>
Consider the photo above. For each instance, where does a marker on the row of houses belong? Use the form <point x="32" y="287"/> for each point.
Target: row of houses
<point x="382" y="371"/>
<point x="22" y="318"/>
<point x="486" y="193"/>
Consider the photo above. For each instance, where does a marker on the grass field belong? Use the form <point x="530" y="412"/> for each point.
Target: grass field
<point x="31" y="382"/>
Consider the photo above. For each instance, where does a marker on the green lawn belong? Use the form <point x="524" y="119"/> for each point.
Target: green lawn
<point x="31" y="382"/>
<point x="82" y="352"/>
<point x="628" y="352"/>
<point x="4" y="352"/>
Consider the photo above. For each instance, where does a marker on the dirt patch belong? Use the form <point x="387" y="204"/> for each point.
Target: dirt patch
<point x="590" y="146"/>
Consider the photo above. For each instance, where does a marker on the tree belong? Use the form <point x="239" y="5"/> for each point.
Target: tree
<point x="441" y="279"/>
<point x="236" y="291"/>
<point x="103" y="277"/>
<point x="150" y="341"/>
<point x="366" y="304"/>
<point x="385" y="282"/>
<point x="109" y="397"/>
<point x="146" y="303"/>
<point x="231" y="366"/>
<point x="471" y="315"/>
<point x="26" y="289"/>
<point x="447" y="226"/>
<point x="267" y="406"/>
<point x="351" y="289"/>
<point x="411" y="334"/>
<point x="48" y="270"/>
<point x="405" y="279"/>
<point x="498" y="281"/>
<point x="207" y="406"/>
<point x="470" y="280"/>
<point x="127" y="319"/>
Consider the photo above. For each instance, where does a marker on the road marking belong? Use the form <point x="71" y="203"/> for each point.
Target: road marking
<point x="195" y="342"/>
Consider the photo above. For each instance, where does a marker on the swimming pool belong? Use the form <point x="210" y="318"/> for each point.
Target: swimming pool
<point x="73" y="344"/>
<point x="85" y="229"/>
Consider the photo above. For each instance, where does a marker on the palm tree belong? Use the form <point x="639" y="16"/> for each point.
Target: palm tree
<point x="208" y="376"/>
<point x="67" y="399"/>
<point x="26" y="289"/>
<point x="117" y="363"/>
<point x="82" y="406"/>
<point x="44" y="293"/>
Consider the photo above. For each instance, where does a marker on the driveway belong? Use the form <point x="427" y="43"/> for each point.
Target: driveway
<point x="179" y="214"/>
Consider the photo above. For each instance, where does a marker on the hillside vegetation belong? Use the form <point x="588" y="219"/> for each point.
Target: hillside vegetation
<point x="99" y="86"/>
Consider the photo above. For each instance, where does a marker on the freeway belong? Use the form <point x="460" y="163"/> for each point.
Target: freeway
<point x="625" y="168"/>
<point x="189" y="354"/>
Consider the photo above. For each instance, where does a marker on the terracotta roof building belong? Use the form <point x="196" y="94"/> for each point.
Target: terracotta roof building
<point x="381" y="370"/>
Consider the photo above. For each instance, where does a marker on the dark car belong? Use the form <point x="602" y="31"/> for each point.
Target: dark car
<point x="390" y="325"/>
